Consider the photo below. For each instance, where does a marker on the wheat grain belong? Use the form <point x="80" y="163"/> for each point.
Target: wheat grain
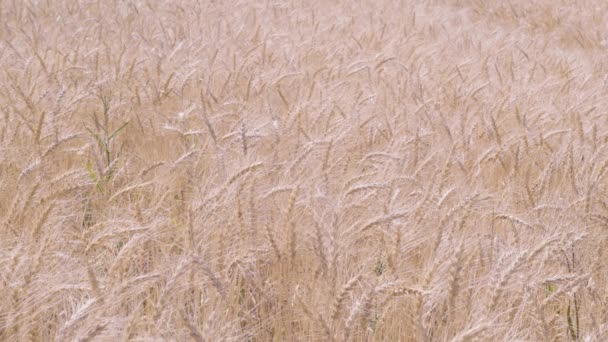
<point x="341" y="297"/>
<point x="244" y="171"/>
<point x="452" y="158"/>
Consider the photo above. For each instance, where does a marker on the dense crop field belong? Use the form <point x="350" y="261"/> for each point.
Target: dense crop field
<point x="303" y="170"/>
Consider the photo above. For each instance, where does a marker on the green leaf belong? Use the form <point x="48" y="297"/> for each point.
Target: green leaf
<point x="118" y="130"/>
<point x="93" y="176"/>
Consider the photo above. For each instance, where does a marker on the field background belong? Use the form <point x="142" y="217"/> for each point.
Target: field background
<point x="303" y="170"/>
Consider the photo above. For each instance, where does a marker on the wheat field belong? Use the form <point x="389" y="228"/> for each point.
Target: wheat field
<point x="303" y="170"/>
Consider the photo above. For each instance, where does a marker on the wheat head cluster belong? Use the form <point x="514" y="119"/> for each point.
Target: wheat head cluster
<point x="303" y="170"/>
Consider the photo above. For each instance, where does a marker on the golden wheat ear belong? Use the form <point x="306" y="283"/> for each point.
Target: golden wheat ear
<point x="371" y="170"/>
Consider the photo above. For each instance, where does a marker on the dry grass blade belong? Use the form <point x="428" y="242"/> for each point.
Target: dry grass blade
<point x="382" y="219"/>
